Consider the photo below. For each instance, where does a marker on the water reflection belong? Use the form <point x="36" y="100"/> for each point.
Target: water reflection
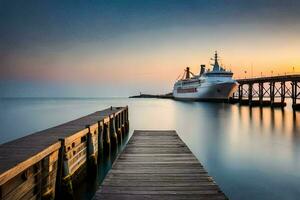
<point x="252" y="153"/>
<point x="87" y="188"/>
<point x="268" y="145"/>
<point x="277" y="119"/>
<point x="254" y="150"/>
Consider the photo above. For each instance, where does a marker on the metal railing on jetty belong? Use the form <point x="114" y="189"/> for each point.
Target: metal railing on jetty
<point x="46" y="164"/>
<point x="269" y="91"/>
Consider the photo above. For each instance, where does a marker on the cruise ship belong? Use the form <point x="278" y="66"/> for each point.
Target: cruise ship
<point x="209" y="85"/>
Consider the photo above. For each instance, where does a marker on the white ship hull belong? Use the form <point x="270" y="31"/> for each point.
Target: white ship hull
<point x="215" y="84"/>
<point x="208" y="91"/>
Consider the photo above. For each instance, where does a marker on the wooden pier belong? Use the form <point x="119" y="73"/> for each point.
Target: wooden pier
<point x="44" y="165"/>
<point x="269" y="91"/>
<point x="157" y="165"/>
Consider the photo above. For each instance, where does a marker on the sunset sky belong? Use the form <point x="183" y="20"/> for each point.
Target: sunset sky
<point x="119" y="48"/>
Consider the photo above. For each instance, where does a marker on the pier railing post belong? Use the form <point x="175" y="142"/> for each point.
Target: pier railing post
<point x="123" y="123"/>
<point x="126" y="120"/>
<point x="66" y="180"/>
<point x="113" y="134"/>
<point x="106" y="138"/>
<point x="49" y="171"/>
<point x="92" y="147"/>
<point x="118" y="130"/>
<point x="100" y="138"/>
<point x="60" y="170"/>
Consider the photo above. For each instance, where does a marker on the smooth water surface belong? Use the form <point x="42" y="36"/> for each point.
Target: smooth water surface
<point x="251" y="153"/>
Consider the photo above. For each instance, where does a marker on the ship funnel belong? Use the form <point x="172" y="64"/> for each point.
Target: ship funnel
<point x="187" y="73"/>
<point x="202" y="69"/>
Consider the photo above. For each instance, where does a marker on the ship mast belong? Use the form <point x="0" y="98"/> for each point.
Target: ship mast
<point x="187" y="71"/>
<point x="216" y="64"/>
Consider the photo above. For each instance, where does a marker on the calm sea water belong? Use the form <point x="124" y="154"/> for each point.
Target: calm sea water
<point x="251" y="153"/>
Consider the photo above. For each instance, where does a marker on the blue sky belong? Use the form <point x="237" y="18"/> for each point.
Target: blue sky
<point x="117" y="48"/>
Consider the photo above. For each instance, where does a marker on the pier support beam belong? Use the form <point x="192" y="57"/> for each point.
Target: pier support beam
<point x="261" y="93"/>
<point x="272" y="92"/>
<point x="250" y="93"/>
<point x="282" y="92"/>
<point x="295" y="95"/>
<point x="240" y="93"/>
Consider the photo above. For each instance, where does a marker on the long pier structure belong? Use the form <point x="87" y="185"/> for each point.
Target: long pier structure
<point x="157" y="165"/>
<point x="269" y="91"/>
<point x="45" y="165"/>
<point x="49" y="164"/>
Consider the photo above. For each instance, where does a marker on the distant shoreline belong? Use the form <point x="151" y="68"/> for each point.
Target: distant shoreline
<point x="170" y="96"/>
<point x="160" y="96"/>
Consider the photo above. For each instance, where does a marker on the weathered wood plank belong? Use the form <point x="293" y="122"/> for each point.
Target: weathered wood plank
<point x="161" y="197"/>
<point x="17" y="151"/>
<point x="39" y="152"/>
<point x="158" y="165"/>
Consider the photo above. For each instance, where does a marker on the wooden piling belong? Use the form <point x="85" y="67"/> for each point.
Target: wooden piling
<point x="106" y="138"/>
<point x="113" y="134"/>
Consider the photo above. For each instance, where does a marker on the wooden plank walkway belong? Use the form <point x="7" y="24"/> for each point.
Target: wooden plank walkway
<point x="30" y="147"/>
<point x="157" y="165"/>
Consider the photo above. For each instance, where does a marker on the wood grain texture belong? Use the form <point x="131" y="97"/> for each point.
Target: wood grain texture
<point x="19" y="154"/>
<point x="158" y="165"/>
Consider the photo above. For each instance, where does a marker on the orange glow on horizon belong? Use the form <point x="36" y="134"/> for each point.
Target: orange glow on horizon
<point x="160" y="60"/>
